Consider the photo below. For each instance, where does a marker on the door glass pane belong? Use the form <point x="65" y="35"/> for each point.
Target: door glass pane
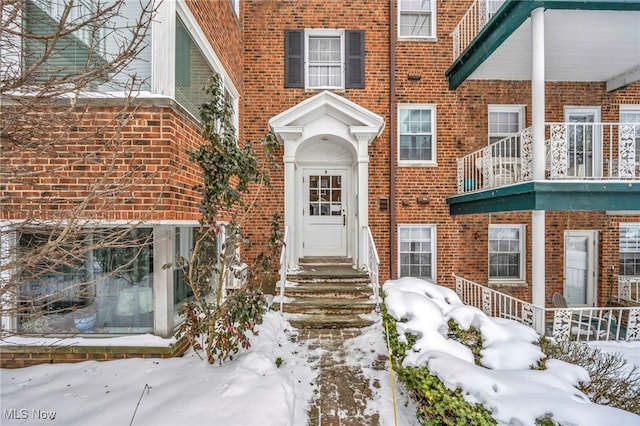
<point x="576" y="270"/>
<point x="325" y="195"/>
<point x="580" y="151"/>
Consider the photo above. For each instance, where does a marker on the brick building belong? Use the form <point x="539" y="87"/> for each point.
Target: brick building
<point x="495" y="140"/>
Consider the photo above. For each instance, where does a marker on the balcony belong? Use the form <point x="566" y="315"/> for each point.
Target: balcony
<point x="582" y="160"/>
<point x="584" y="40"/>
<point x="473" y="21"/>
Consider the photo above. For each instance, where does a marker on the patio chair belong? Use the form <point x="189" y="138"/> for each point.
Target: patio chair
<point x="582" y="326"/>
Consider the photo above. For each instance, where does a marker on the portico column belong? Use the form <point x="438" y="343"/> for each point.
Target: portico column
<point x="364" y="136"/>
<point x="289" y="136"/>
<point x="538" y="151"/>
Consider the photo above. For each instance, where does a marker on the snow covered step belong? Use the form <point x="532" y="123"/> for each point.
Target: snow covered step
<point x="328" y="305"/>
<point x="329" y="321"/>
<point x="330" y="290"/>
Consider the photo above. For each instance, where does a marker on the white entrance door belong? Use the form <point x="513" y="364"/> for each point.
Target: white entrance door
<point x="324" y="212"/>
<point x="580" y="256"/>
<point x="583" y="141"/>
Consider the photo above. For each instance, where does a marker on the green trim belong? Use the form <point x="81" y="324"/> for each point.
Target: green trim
<point x="509" y="18"/>
<point x="550" y="196"/>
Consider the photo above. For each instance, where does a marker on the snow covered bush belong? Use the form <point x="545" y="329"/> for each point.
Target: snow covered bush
<point x="613" y="382"/>
<point x="436" y="404"/>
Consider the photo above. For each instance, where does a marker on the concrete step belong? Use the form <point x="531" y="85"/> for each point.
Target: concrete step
<point x="329" y="321"/>
<point x="329" y="306"/>
<point x="325" y="260"/>
<point x="360" y="290"/>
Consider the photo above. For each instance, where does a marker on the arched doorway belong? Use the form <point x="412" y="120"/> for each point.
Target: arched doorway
<point x="326" y="139"/>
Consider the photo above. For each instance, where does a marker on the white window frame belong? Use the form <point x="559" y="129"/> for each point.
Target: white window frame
<point x="432" y="228"/>
<point x="522" y="247"/>
<point x="433" y="160"/>
<point x="432" y="18"/>
<point x="163" y="45"/>
<point x="519" y="109"/>
<point x="309" y="33"/>
<point x="627" y="225"/>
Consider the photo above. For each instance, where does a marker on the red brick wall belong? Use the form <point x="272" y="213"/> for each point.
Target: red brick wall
<point x="462" y="117"/>
<point x="264" y="23"/>
<point x="136" y="161"/>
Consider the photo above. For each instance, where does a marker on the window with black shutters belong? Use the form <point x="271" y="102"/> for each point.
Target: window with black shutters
<point x="324" y="59"/>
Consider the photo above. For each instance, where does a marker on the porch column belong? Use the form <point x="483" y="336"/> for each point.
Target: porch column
<point x="163" y="253"/>
<point x="538" y="151"/>
<point x="289" y="211"/>
<point x="364" y="136"/>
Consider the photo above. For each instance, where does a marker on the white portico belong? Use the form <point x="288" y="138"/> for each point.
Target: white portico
<point x="326" y="167"/>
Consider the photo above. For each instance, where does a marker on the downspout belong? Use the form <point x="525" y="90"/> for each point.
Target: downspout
<point x="392" y="146"/>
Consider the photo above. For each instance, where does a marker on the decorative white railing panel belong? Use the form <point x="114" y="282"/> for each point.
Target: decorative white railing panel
<point x="582" y="324"/>
<point x="629" y="289"/>
<point x="582" y="151"/>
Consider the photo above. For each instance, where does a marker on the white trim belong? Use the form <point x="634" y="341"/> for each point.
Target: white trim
<point x="596" y="149"/>
<point x="434" y="247"/>
<point x="313" y="32"/>
<point x="326" y="118"/>
<point x="431" y="37"/>
<point x="200" y="40"/>
<point x="497" y="281"/>
<point x="629" y="108"/>
<point x="520" y="109"/>
<point x="592" y="265"/>
<point x="434" y="145"/>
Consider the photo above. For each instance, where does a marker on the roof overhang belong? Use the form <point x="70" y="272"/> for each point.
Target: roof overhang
<point x="585" y="40"/>
<point x="551" y="196"/>
<point x="336" y="115"/>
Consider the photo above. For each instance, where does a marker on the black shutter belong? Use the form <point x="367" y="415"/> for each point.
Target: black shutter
<point x="354" y="53"/>
<point x="294" y="58"/>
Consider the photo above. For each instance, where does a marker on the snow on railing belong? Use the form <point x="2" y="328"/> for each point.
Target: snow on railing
<point x="372" y="264"/>
<point x="284" y="261"/>
<point x="581" y="324"/>
<point x="629" y="289"/>
<point x="582" y="151"/>
<point x="473" y="21"/>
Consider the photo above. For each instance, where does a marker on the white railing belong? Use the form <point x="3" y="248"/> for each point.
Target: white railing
<point x="473" y="21"/>
<point x="284" y="261"/>
<point x="372" y="264"/>
<point x="581" y="324"/>
<point x="583" y="151"/>
<point x="629" y="289"/>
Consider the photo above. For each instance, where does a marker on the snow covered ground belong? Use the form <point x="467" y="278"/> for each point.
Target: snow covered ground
<point x="252" y="390"/>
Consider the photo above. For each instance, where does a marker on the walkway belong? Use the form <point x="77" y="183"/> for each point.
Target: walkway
<point x="343" y="389"/>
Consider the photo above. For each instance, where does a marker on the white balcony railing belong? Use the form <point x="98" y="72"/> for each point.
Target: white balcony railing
<point x="629" y="289"/>
<point x="584" y="151"/>
<point x="473" y="21"/>
<point x="581" y="324"/>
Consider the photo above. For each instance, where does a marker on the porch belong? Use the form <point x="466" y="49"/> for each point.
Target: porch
<point x="588" y="166"/>
<point x="562" y="323"/>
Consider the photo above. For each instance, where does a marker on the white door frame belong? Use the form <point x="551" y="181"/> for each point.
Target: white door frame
<point x="316" y="132"/>
<point x="341" y="222"/>
<point x="596" y="162"/>
<point x="590" y="263"/>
